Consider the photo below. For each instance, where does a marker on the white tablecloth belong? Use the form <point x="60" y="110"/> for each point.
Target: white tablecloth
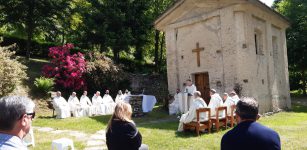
<point x="148" y="102"/>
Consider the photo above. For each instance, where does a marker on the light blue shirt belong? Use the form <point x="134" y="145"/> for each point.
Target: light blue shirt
<point x="10" y="142"/>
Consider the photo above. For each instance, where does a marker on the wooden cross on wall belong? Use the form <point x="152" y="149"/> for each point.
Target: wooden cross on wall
<point x="197" y="51"/>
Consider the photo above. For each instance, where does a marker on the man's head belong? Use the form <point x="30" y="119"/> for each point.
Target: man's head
<point x="212" y="91"/>
<point x="16" y="114"/>
<point x="85" y="93"/>
<point x="58" y="93"/>
<point x="107" y="92"/>
<point x="189" y="82"/>
<point x="73" y="94"/>
<point x="247" y="109"/>
<point x="120" y="92"/>
<point x="232" y="93"/>
<point x="126" y="91"/>
<point x="197" y="94"/>
<point x="97" y="93"/>
<point x="225" y="96"/>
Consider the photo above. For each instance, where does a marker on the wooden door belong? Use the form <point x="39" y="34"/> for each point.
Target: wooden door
<point x="202" y="85"/>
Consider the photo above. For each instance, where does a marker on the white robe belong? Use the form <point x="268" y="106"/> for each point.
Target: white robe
<point x="61" y="107"/>
<point x="215" y="102"/>
<point x="125" y="97"/>
<point x="236" y="99"/>
<point x="98" y="107"/>
<point x="119" y="97"/>
<point x="190" y="90"/>
<point x="107" y="100"/>
<point x="75" y="106"/>
<point x="86" y="106"/>
<point x="174" y="106"/>
<point x="228" y="103"/>
<point x="191" y="114"/>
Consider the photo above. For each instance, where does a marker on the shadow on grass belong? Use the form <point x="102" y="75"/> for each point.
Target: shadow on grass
<point x="299" y="108"/>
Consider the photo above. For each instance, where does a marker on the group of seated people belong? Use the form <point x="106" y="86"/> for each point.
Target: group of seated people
<point x="85" y="107"/>
<point x="215" y="102"/>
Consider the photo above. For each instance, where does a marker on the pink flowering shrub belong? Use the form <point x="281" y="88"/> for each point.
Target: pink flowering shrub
<point x="67" y="69"/>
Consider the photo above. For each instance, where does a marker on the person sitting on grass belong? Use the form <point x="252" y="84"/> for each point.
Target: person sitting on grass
<point x="121" y="130"/>
<point x="191" y="114"/>
<point x="249" y="134"/>
<point x="16" y="114"/>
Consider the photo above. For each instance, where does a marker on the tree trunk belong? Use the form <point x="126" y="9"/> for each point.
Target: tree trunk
<point x="304" y="83"/>
<point x="116" y="55"/>
<point x="29" y="27"/>
<point x="156" y="60"/>
<point x="139" y="52"/>
<point x="161" y="49"/>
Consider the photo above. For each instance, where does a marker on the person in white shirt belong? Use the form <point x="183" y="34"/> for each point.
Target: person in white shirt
<point x="174" y="107"/>
<point x="119" y="96"/>
<point x="107" y="100"/>
<point x="191" y="114"/>
<point x="126" y="94"/>
<point x="190" y="89"/>
<point x="228" y="102"/>
<point x="74" y="105"/>
<point x="86" y="105"/>
<point x="234" y="96"/>
<point x="215" y="102"/>
<point x="61" y="106"/>
<point x="99" y="108"/>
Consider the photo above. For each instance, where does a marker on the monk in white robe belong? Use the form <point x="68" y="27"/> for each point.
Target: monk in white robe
<point x="190" y="89"/>
<point x="191" y="114"/>
<point x="86" y="105"/>
<point x="228" y="102"/>
<point x="99" y="108"/>
<point x="74" y="105"/>
<point x="174" y="107"/>
<point x="127" y="93"/>
<point x="61" y="106"/>
<point x="119" y="96"/>
<point x="215" y="102"/>
<point x="234" y="96"/>
<point x="107" y="100"/>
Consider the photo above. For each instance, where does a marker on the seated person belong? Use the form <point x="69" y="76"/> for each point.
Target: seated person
<point x="86" y="105"/>
<point x="174" y="106"/>
<point x="98" y="107"/>
<point x="121" y="130"/>
<point x="191" y="114"/>
<point x="234" y="96"/>
<point x="215" y="102"/>
<point x="248" y="134"/>
<point x="74" y="105"/>
<point x="107" y="100"/>
<point x="228" y="102"/>
<point x="127" y="93"/>
<point x="119" y="96"/>
<point x="61" y="106"/>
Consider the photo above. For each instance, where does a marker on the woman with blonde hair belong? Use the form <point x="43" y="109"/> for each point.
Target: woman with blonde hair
<point x="121" y="130"/>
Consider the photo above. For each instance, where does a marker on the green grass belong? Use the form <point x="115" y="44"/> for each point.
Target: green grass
<point x="159" y="130"/>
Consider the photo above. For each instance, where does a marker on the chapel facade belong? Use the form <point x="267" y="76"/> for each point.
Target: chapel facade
<point x="227" y="44"/>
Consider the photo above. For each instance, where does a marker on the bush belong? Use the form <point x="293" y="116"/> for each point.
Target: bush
<point x="12" y="72"/>
<point x="103" y="74"/>
<point x="44" y="84"/>
<point x="67" y="69"/>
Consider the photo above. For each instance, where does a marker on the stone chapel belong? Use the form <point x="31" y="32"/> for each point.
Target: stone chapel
<point x="227" y="44"/>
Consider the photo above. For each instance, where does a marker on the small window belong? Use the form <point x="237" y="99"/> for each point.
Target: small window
<point x="258" y="37"/>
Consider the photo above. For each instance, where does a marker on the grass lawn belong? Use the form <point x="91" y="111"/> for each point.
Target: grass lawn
<point x="159" y="130"/>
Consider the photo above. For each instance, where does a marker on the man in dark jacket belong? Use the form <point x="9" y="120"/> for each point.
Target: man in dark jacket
<point x="248" y="134"/>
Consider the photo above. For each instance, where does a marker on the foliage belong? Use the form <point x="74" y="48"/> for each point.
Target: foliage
<point x="32" y="16"/>
<point x="12" y="72"/>
<point x="44" y="84"/>
<point x="103" y="74"/>
<point x="296" y="12"/>
<point x="67" y="69"/>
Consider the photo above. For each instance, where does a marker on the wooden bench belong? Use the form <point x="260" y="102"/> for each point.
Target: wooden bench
<point x="217" y="119"/>
<point x="199" y="125"/>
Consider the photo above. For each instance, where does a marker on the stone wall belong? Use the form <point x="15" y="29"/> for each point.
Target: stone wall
<point x="151" y="85"/>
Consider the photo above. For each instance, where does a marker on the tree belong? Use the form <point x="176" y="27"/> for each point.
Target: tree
<point x="296" y="12"/>
<point x="32" y="15"/>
